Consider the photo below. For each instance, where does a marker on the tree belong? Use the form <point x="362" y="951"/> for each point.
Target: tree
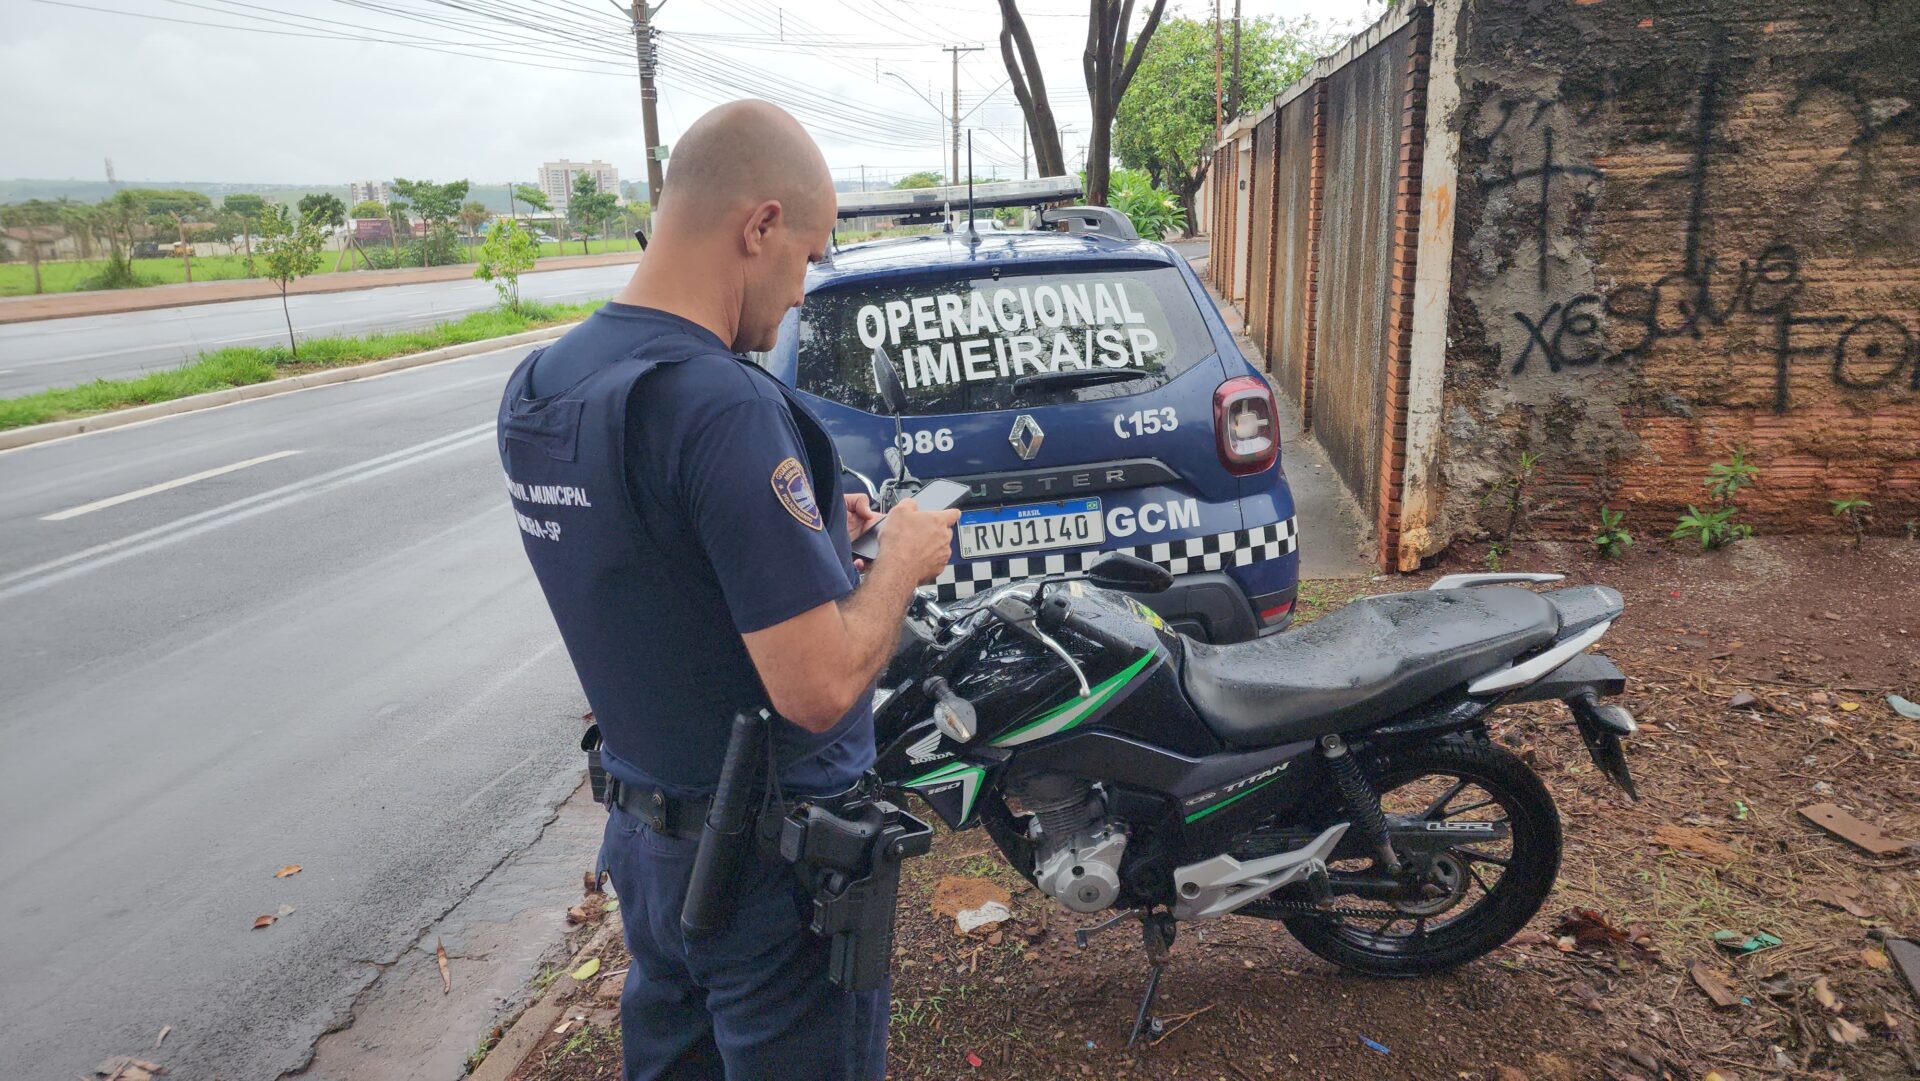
<point x="323" y="208"/>
<point x="1030" y="88"/>
<point x="30" y="218"/>
<point x="290" y="250"/>
<point x="247" y="207"/>
<point x="368" y="208"/>
<point x="473" y="214"/>
<point x="1165" y="126"/>
<point x="508" y="252"/>
<point x="1109" y="63"/>
<point x="121" y="219"/>
<point x="589" y="205"/>
<point x="81" y="223"/>
<point x="534" y="198"/>
<point x="163" y="204"/>
<point x="438" y="206"/>
<point x="925" y="178"/>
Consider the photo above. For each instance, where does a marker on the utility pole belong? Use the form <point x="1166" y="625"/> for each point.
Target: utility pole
<point x="1023" y="146"/>
<point x="954" y="108"/>
<point x="649" y="97"/>
<point x="1216" y="72"/>
<point x="1233" y="90"/>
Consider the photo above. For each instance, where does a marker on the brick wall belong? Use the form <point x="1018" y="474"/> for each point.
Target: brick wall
<point x="1685" y="226"/>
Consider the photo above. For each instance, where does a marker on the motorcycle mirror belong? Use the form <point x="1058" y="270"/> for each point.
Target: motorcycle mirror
<point x="886" y="382"/>
<point x="1129" y="574"/>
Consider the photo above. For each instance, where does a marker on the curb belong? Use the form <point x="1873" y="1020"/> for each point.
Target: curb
<point x="37" y="307"/>
<point x="506" y="1057"/>
<point x="61" y="429"/>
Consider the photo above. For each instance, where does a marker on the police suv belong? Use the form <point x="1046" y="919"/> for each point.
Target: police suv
<point x="1082" y="384"/>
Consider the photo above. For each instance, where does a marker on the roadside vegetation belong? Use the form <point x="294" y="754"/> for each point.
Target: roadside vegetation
<point x="140" y="237"/>
<point x="240" y="366"/>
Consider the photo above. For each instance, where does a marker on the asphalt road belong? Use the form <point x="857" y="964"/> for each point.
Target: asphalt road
<point x="63" y="352"/>
<point x="334" y="656"/>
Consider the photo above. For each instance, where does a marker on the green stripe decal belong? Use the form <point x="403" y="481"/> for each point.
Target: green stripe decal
<point x="970" y="777"/>
<point x="1065" y="716"/>
<point x="1198" y="815"/>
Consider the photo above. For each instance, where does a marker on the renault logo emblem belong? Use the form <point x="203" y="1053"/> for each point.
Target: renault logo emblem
<point x="1026" y="437"/>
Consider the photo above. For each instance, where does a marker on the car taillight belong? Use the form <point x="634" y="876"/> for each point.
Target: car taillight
<point x="1245" y="423"/>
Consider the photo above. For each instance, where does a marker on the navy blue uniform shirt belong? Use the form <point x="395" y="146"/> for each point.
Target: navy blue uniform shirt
<point x="672" y="497"/>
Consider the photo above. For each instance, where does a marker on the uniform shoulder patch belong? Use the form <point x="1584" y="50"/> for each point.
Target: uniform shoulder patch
<point x="796" y="493"/>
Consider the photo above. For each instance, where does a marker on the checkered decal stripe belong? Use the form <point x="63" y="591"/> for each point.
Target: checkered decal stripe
<point x="1217" y="552"/>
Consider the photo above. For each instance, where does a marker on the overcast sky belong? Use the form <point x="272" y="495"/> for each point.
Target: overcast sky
<point x="317" y="91"/>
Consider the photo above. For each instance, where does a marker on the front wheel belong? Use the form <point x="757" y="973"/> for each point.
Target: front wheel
<point x="1487" y="891"/>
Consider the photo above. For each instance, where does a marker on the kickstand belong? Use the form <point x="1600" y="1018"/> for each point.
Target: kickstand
<point x="1141" y="1022"/>
<point x="1157" y="929"/>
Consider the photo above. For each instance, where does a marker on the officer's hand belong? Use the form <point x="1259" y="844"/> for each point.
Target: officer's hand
<point x="860" y="515"/>
<point x="920" y="541"/>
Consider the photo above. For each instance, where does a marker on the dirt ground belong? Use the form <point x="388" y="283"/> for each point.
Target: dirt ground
<point x="1815" y="632"/>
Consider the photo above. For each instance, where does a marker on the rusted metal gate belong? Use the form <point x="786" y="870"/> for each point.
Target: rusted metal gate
<point x="1351" y="354"/>
<point x="1260" y="236"/>
<point x="1335" y="210"/>
<point x="1296" y="223"/>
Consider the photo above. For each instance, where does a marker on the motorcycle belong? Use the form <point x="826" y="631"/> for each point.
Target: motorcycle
<point x="1338" y="777"/>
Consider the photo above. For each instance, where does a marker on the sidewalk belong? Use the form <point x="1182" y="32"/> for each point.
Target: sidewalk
<point x="110" y="301"/>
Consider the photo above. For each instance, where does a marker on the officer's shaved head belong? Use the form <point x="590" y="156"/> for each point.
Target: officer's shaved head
<point x="748" y="203"/>
<point x="740" y="155"/>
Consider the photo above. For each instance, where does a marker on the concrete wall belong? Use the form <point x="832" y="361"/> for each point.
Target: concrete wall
<point x="1683" y="226"/>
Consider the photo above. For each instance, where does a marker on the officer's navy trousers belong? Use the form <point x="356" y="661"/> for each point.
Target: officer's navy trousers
<point x="747" y="1004"/>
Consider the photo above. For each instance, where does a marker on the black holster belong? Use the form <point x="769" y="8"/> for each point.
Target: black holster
<point x="846" y="849"/>
<point x="851" y="857"/>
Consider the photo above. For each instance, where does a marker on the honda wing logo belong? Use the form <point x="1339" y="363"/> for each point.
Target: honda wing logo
<point x="1026" y="437"/>
<point x="926" y="750"/>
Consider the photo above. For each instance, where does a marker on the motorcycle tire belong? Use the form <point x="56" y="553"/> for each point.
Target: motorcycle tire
<point x="1498" y="914"/>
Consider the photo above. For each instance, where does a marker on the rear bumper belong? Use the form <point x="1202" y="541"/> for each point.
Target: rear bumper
<point x="1211" y="607"/>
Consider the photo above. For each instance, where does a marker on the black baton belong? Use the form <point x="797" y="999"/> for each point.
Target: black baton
<point x="726" y="843"/>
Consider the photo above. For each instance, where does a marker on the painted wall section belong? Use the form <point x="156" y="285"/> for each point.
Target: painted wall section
<point x="1683" y="227"/>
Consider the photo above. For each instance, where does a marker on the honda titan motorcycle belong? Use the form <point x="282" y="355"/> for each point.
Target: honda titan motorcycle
<point x="1338" y="777"/>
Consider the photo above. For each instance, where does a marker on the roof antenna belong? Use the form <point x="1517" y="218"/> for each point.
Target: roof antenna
<point x="973" y="234"/>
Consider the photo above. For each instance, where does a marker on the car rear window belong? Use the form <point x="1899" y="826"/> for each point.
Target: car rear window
<point x="962" y="345"/>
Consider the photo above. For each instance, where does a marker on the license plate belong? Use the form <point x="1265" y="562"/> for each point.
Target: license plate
<point x="1035" y="527"/>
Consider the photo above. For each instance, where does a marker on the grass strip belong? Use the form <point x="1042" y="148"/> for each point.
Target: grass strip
<point x="240" y="366"/>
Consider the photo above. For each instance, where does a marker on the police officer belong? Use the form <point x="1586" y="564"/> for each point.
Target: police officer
<point x="684" y="515"/>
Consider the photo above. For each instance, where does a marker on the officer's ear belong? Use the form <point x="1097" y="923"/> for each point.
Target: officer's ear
<point x="761" y="223"/>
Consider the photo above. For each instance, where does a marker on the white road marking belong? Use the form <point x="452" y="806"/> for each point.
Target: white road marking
<point x="154" y="489"/>
<point x="74" y="564"/>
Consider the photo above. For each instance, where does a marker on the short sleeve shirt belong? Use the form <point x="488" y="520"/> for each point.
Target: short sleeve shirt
<point x="739" y="525"/>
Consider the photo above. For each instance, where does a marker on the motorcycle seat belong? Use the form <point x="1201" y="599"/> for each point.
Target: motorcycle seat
<point x="1362" y="664"/>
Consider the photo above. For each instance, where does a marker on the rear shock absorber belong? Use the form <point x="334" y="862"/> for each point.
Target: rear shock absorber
<point x="1363" y="803"/>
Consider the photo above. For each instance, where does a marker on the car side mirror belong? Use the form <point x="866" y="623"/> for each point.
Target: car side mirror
<point x="886" y="382"/>
<point x="1130" y="574"/>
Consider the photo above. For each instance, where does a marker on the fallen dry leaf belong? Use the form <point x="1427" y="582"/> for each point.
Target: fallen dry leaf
<point x="162" y="1038"/>
<point x="128" y="1068"/>
<point x="1823" y="994"/>
<point x="1875" y="960"/>
<point x="1695" y="842"/>
<point x="288" y="871"/>
<point x="264" y="921"/>
<point x="1589" y="928"/>
<point x="1711" y="982"/>
<point x="440" y="958"/>
<point x="1844" y="1031"/>
<point x="1845" y="898"/>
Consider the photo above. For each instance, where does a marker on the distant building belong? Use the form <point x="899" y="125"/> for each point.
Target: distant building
<point x="361" y="191"/>
<point x="556" y="179"/>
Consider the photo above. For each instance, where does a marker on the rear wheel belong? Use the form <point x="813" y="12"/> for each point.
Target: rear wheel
<point x="1479" y="895"/>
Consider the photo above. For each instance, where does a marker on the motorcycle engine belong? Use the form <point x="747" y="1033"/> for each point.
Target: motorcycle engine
<point x="1077" y="848"/>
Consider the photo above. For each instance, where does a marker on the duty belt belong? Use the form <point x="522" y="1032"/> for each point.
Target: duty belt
<point x="677" y="817"/>
<point x="662" y="813"/>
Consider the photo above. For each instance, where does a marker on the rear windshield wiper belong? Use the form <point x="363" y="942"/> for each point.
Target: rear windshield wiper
<point x="1077" y="377"/>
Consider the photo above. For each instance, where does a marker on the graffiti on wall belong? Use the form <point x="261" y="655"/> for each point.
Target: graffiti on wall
<point x="1873" y="352"/>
